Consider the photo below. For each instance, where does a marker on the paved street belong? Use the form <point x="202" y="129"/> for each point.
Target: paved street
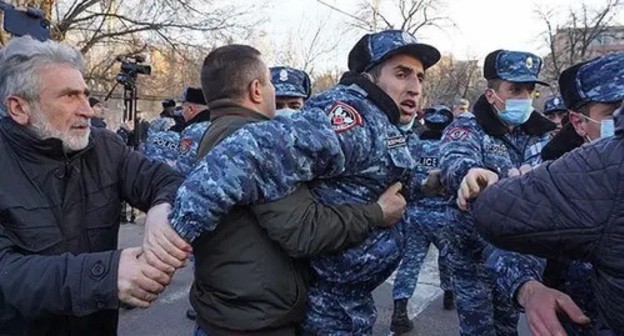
<point x="167" y="316"/>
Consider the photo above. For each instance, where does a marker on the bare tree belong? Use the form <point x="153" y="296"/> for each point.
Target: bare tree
<point x="408" y="15"/>
<point x="451" y="79"/>
<point x="101" y="29"/>
<point x="308" y="45"/>
<point x="575" y="38"/>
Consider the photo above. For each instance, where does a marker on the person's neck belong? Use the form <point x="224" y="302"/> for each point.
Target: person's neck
<point x="250" y="105"/>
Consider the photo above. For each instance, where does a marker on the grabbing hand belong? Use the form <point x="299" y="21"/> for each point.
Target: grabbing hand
<point x="163" y="247"/>
<point x="432" y="186"/>
<point x="473" y="183"/>
<point x="392" y="205"/>
<point x="138" y="284"/>
<point x="541" y="305"/>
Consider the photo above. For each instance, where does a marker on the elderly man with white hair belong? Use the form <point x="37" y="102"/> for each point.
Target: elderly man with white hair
<point x="60" y="191"/>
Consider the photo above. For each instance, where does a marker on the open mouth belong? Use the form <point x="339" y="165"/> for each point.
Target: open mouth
<point x="408" y="106"/>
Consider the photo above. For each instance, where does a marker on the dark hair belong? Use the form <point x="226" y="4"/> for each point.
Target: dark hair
<point x="494" y="83"/>
<point x="227" y="72"/>
<point x="375" y="72"/>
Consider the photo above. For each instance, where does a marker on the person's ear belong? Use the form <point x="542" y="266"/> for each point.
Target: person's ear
<point x="579" y="124"/>
<point x="255" y="91"/>
<point x="18" y="109"/>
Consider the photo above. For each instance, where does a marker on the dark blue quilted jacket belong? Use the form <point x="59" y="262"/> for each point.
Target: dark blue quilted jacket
<point x="569" y="208"/>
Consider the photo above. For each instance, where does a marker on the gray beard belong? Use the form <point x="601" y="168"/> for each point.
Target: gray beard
<point x="43" y="130"/>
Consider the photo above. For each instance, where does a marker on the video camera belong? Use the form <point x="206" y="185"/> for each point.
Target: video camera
<point x="25" y="21"/>
<point x="131" y="67"/>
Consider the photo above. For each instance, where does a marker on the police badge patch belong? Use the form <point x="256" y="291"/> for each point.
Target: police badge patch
<point x="185" y="145"/>
<point x="344" y="117"/>
<point x="457" y="133"/>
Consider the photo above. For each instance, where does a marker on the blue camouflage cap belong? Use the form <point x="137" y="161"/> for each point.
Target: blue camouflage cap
<point x="373" y="49"/>
<point x="599" y="80"/>
<point x="438" y="117"/>
<point x="513" y="66"/>
<point x="290" y="82"/>
<point x="554" y="104"/>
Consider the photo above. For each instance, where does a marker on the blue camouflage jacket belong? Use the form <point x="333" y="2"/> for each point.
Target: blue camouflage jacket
<point x="341" y="143"/>
<point x="189" y="142"/>
<point x="162" y="146"/>
<point x="480" y="139"/>
<point x="161" y="124"/>
<point x="426" y="153"/>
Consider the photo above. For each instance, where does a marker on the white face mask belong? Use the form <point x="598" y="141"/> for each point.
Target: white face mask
<point x="285" y="112"/>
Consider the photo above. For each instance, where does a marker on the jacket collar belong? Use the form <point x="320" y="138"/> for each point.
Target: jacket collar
<point x="488" y="119"/>
<point x="619" y="124"/>
<point x="225" y="107"/>
<point x="200" y="117"/>
<point x="376" y="94"/>
<point x="28" y="145"/>
<point x="566" y="140"/>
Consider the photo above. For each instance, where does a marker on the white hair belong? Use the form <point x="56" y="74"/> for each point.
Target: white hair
<point x="21" y="61"/>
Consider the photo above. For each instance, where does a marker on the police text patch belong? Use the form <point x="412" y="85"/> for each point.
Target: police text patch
<point x="344" y="117"/>
<point x="396" y="141"/>
<point x="428" y="161"/>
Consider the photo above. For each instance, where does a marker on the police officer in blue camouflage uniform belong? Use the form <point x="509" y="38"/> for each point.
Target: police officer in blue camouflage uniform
<point x="197" y="120"/>
<point x="292" y="89"/>
<point x="350" y="143"/>
<point x="165" y="120"/>
<point x="162" y="146"/>
<point x="505" y="135"/>
<point x="593" y="106"/>
<point x="424" y="222"/>
<point x="556" y="112"/>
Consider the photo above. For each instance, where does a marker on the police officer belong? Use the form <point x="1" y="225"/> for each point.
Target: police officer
<point x="98" y="109"/>
<point x="556" y="112"/>
<point x="356" y="145"/>
<point x="165" y="120"/>
<point x="197" y="120"/>
<point x="460" y="106"/>
<point x="505" y="135"/>
<point x="592" y="91"/>
<point x="424" y="222"/>
<point x="292" y="89"/>
<point x="162" y="146"/>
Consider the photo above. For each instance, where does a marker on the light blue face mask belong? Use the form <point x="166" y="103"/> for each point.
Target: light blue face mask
<point x="285" y="112"/>
<point x="517" y="111"/>
<point x="607" y="128"/>
<point x="407" y="127"/>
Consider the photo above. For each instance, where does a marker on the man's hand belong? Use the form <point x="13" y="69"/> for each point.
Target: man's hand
<point x="519" y="171"/>
<point x="473" y="183"/>
<point x="432" y="186"/>
<point x="163" y="247"/>
<point x="541" y="305"/>
<point x="392" y="205"/>
<point x="138" y="283"/>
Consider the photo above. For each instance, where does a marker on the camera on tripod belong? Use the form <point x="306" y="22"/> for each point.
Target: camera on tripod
<point x="130" y="68"/>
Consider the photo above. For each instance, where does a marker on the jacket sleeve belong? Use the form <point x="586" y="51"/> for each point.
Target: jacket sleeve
<point x="64" y="284"/>
<point x="557" y="210"/>
<point x="304" y="227"/>
<point x="513" y="269"/>
<point x="263" y="162"/>
<point x="145" y="183"/>
<point x="460" y="150"/>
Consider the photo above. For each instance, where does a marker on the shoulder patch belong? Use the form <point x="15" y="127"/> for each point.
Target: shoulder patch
<point x="185" y="145"/>
<point x="344" y="117"/>
<point x="458" y="133"/>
